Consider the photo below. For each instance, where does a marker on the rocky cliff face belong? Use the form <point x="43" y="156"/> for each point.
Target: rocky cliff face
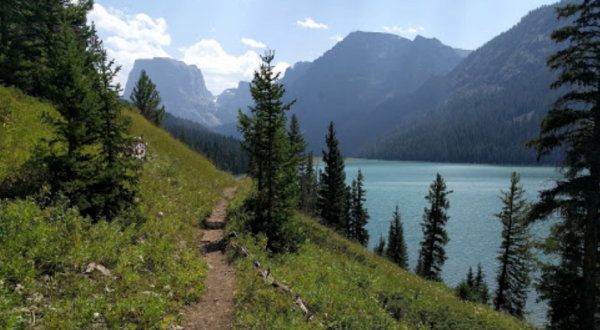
<point x="181" y="88"/>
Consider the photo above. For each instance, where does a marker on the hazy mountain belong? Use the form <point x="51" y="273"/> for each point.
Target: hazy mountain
<point x="233" y="99"/>
<point x="485" y="109"/>
<point x="360" y="72"/>
<point x="181" y="88"/>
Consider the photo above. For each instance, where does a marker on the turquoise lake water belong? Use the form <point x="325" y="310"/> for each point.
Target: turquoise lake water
<point x="473" y="230"/>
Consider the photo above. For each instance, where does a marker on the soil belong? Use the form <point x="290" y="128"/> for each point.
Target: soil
<point x="215" y="310"/>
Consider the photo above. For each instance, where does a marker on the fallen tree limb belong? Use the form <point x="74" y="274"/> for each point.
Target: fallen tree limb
<point x="268" y="277"/>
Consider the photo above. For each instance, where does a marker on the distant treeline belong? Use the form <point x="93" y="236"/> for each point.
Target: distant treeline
<point x="224" y="151"/>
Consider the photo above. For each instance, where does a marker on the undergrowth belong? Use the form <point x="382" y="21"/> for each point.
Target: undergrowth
<point x="345" y="287"/>
<point x="47" y="278"/>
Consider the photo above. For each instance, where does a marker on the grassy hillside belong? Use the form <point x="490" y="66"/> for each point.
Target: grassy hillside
<point x="47" y="279"/>
<point x="345" y="287"/>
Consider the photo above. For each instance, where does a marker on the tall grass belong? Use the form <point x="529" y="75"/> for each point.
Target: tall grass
<point x="46" y="281"/>
<point x="346" y="287"/>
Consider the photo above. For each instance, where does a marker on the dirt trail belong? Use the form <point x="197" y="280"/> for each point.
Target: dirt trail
<point x="215" y="311"/>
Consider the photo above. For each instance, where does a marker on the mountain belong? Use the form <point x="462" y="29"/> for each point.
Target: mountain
<point x="360" y="72"/>
<point x="485" y="109"/>
<point x="233" y="99"/>
<point x="181" y="88"/>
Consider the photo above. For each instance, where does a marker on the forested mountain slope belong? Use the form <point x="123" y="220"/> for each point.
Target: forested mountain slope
<point x="485" y="109"/>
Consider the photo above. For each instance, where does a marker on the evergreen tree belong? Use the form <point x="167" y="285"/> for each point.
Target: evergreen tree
<point x="117" y="176"/>
<point x="473" y="288"/>
<point x="513" y="272"/>
<point x="147" y="99"/>
<point x="267" y="142"/>
<point x="396" y="250"/>
<point x="481" y="287"/>
<point x="573" y="125"/>
<point x="331" y="203"/>
<point x="308" y="194"/>
<point x="433" y="255"/>
<point x="359" y="215"/>
<point x="69" y="85"/>
<point x="298" y="146"/>
<point x="380" y="247"/>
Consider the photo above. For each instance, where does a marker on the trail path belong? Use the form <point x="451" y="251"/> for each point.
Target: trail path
<point x="215" y="311"/>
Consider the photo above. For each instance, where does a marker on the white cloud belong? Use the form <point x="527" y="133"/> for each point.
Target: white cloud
<point x="253" y="43"/>
<point x="222" y="70"/>
<point x="337" y="38"/>
<point x="311" y="24"/>
<point x="131" y="37"/>
<point x="403" y="31"/>
<point x="281" y="67"/>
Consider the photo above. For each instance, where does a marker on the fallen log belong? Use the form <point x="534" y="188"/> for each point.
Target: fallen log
<point x="268" y="277"/>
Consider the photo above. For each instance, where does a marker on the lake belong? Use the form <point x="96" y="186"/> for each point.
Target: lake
<point x="474" y="231"/>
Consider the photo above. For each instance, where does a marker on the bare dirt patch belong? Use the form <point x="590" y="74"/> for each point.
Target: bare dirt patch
<point x="215" y="311"/>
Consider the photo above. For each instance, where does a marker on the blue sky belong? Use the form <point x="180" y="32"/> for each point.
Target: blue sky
<point x="225" y="37"/>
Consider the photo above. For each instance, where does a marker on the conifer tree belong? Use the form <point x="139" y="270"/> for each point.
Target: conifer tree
<point x="433" y="255"/>
<point x="298" y="146"/>
<point x="358" y="215"/>
<point x="380" y="247"/>
<point x="147" y="99"/>
<point x="481" y="287"/>
<point x="117" y="174"/>
<point x="473" y="288"/>
<point x="70" y="86"/>
<point x="332" y="198"/>
<point x="272" y="160"/>
<point x="514" y="258"/>
<point x="573" y="125"/>
<point x="396" y="249"/>
<point x="308" y="194"/>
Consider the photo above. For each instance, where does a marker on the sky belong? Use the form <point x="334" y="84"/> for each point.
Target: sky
<point x="225" y="38"/>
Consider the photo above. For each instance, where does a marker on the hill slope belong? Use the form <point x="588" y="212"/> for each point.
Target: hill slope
<point x="344" y="286"/>
<point x="47" y="277"/>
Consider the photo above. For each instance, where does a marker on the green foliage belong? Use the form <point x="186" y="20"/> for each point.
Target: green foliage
<point x="472" y="288"/>
<point x="396" y="249"/>
<point x="331" y="202"/>
<point x="573" y="125"/>
<point x="273" y="162"/>
<point x="155" y="266"/>
<point x="344" y="286"/>
<point x="380" y="247"/>
<point x="358" y="215"/>
<point x="224" y="151"/>
<point x="146" y="98"/>
<point x="433" y="255"/>
<point x="309" y="187"/>
<point x="515" y="256"/>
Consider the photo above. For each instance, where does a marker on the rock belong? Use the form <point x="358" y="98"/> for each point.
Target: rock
<point x="93" y="266"/>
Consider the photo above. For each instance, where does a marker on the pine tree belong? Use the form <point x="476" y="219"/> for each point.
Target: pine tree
<point x="147" y="99"/>
<point x="272" y="160"/>
<point x="433" y="255"/>
<point x="69" y="85"/>
<point x="481" y="287"/>
<point x="473" y="288"/>
<point x="396" y="250"/>
<point x="514" y="258"/>
<point x="573" y="125"/>
<point x="117" y="176"/>
<point x="331" y="203"/>
<point x="358" y="215"/>
<point x="380" y="247"/>
<point x="308" y="194"/>
<point x="298" y="149"/>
